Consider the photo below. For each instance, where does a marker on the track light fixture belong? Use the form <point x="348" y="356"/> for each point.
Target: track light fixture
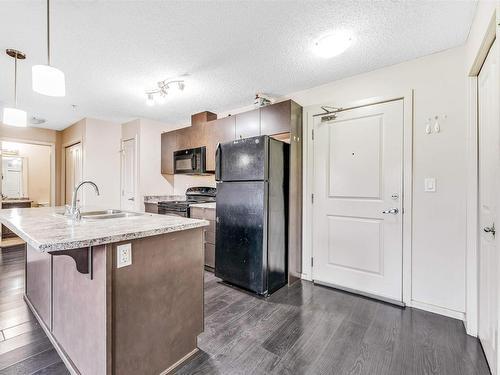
<point x="159" y="95"/>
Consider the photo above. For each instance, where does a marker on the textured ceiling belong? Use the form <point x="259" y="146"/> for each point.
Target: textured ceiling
<point x="112" y="51"/>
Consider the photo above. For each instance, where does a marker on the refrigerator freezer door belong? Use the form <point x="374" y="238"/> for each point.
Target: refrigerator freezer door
<point x="243" y="160"/>
<point x="241" y="227"/>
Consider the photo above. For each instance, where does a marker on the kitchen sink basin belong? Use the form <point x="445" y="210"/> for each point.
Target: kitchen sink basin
<point x="106" y="214"/>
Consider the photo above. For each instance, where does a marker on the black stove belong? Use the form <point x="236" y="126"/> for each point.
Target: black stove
<point x="193" y="195"/>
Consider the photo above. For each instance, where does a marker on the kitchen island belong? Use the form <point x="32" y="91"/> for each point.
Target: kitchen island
<point x="121" y="294"/>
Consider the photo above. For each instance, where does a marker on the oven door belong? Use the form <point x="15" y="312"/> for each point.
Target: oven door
<point x="172" y="212"/>
<point x="190" y="161"/>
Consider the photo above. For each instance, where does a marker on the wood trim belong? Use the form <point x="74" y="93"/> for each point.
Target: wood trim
<point x="472" y="188"/>
<point x="485" y="46"/>
<point x="408" y="129"/>
<point x="437" y="310"/>
<point x="64" y="357"/>
<point x="472" y="149"/>
<point x="180" y="362"/>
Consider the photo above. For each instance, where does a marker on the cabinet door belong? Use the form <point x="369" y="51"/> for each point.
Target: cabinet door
<point x="168" y="146"/>
<point x="218" y="131"/>
<point x="184" y="138"/>
<point x="248" y="124"/>
<point x="275" y="119"/>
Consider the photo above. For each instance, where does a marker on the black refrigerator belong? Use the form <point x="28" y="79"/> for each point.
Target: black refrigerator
<point x="251" y="213"/>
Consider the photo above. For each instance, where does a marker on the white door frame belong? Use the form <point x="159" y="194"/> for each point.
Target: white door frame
<point x="52" y="162"/>
<point x="308" y="160"/>
<point x="136" y="182"/>
<point x="472" y="209"/>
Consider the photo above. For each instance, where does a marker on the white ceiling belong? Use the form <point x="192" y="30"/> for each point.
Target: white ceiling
<point x="112" y="51"/>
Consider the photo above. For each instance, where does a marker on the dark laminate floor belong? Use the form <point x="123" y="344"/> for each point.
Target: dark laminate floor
<point x="24" y="347"/>
<point x="307" y="329"/>
<point x="303" y="329"/>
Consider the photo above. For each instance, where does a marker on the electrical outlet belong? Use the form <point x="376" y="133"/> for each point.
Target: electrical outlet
<point x="123" y="255"/>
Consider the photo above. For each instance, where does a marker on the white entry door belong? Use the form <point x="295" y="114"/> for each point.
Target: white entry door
<point x="357" y="209"/>
<point x="128" y="175"/>
<point x="489" y="159"/>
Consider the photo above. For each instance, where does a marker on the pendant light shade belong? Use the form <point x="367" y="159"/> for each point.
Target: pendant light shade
<point x="48" y="80"/>
<point x="15" y="117"/>
<point x="12" y="115"/>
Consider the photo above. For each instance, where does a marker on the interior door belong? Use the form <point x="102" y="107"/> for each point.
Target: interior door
<point x="73" y="169"/>
<point x="357" y="209"/>
<point x="128" y="175"/>
<point x="489" y="159"/>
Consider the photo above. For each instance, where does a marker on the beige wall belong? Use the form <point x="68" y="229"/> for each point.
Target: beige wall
<point x="182" y="182"/>
<point x="101" y="160"/>
<point x="38" y="163"/>
<point x="71" y="135"/>
<point x="101" y="163"/>
<point x="38" y="135"/>
<point x="148" y="136"/>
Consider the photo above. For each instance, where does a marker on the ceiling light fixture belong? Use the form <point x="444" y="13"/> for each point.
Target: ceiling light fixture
<point x="150" y="100"/>
<point x="159" y="95"/>
<point x="48" y="80"/>
<point x="333" y="44"/>
<point x="14" y="116"/>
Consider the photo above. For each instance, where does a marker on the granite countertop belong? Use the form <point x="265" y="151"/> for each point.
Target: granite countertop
<point x="159" y="198"/>
<point x="209" y="205"/>
<point x="46" y="230"/>
<point x="17" y="200"/>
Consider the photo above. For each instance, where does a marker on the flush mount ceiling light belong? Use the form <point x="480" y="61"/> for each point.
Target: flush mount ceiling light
<point x="159" y="95"/>
<point x="48" y="80"/>
<point x="333" y="44"/>
<point x="12" y="115"/>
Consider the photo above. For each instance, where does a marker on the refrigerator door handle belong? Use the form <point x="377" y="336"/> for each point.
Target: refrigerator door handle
<point x="217" y="162"/>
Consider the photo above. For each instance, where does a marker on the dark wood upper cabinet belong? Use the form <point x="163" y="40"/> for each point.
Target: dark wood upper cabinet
<point x="168" y="145"/>
<point x="215" y="132"/>
<point x="276" y="118"/>
<point x="188" y="137"/>
<point x="247" y="124"/>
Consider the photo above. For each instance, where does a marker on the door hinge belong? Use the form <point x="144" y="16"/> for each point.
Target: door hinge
<point x="312" y="198"/>
<point x="312" y="261"/>
<point x="313" y="134"/>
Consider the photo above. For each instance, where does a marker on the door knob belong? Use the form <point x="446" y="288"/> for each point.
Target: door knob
<point x="393" y="211"/>
<point x="131" y="199"/>
<point x="490" y="229"/>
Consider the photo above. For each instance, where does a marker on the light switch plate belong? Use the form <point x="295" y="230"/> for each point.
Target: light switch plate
<point x="430" y="184"/>
<point x="123" y="255"/>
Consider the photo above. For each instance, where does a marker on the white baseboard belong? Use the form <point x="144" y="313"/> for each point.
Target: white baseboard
<point x="305" y="276"/>
<point x="437" y="310"/>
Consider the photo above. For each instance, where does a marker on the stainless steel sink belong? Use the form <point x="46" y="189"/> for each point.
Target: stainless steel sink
<point x="101" y="212"/>
<point x="106" y="214"/>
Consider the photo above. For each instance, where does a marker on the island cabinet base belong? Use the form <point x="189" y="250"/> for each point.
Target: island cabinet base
<point x="139" y="319"/>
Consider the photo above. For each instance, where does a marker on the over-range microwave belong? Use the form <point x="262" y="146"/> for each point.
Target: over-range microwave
<point x="190" y="161"/>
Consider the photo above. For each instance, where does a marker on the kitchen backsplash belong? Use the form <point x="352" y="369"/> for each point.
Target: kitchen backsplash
<point x="182" y="182"/>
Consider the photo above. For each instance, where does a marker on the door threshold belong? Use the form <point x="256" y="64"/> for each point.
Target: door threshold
<point x="360" y="293"/>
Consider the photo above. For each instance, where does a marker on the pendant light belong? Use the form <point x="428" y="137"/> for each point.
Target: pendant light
<point x="48" y="80"/>
<point x="12" y="115"/>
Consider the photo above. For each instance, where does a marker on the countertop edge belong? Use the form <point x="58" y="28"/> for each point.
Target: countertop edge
<point x="70" y="245"/>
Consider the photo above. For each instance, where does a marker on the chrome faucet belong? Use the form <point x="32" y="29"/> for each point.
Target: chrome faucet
<point x="72" y="210"/>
